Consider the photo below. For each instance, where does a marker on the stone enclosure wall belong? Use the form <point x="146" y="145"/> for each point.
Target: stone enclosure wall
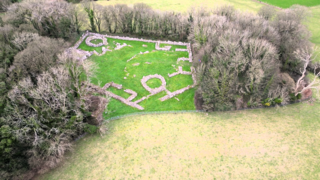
<point x="85" y="54"/>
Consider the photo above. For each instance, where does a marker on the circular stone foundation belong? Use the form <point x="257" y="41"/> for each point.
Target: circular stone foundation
<point x="90" y="38"/>
<point x="154" y="90"/>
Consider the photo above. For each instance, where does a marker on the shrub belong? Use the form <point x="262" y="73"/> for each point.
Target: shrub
<point x="246" y="55"/>
<point x="91" y="129"/>
<point x="42" y="118"/>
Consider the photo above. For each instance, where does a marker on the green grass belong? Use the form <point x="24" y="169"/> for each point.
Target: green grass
<point x="288" y="3"/>
<point x="272" y="143"/>
<point x="113" y="66"/>
<point x="185" y="5"/>
<point x="154" y="83"/>
<point x="96" y="41"/>
<point x="314" y="27"/>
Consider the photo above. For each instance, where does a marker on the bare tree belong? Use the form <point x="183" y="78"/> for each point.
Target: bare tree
<point x="4" y="4"/>
<point x="293" y="36"/>
<point x="21" y="40"/>
<point x="49" y="18"/>
<point x="267" y="12"/>
<point x="306" y="57"/>
<point x="38" y="56"/>
<point x="98" y="15"/>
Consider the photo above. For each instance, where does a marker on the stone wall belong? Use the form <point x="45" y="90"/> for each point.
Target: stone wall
<point x="155" y="90"/>
<point x="90" y="38"/>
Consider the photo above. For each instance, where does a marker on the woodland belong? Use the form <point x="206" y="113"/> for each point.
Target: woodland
<point x="47" y="100"/>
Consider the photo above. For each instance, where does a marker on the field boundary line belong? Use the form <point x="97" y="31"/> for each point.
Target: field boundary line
<point x="260" y="2"/>
<point x="196" y="111"/>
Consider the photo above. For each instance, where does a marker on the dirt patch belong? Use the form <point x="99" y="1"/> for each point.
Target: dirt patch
<point x="198" y="101"/>
<point x="97" y="107"/>
<point x="306" y="94"/>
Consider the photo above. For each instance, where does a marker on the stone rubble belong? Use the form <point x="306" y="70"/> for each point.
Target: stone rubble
<point x="133" y="94"/>
<point x="180" y="71"/>
<point x="157" y="43"/>
<point x="85" y="54"/>
<point x="125" y="101"/>
<point x="96" y="36"/>
<point x="166" y="48"/>
<point x="131" y="58"/>
<point x="142" y="99"/>
<point x="155" y="90"/>
<point x="177" y="49"/>
<point x="184" y="59"/>
<point x="119" y="46"/>
<point x="112" y="84"/>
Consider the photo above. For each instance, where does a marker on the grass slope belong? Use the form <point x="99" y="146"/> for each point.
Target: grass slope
<point x="274" y="143"/>
<point x="185" y="5"/>
<point x="288" y="3"/>
<point x="314" y="27"/>
<point x="112" y="66"/>
<point x="255" y="144"/>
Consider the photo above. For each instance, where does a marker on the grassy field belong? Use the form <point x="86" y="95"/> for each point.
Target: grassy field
<point x="288" y="3"/>
<point x="113" y="66"/>
<point x="185" y="5"/>
<point x="314" y="27"/>
<point x="273" y="143"/>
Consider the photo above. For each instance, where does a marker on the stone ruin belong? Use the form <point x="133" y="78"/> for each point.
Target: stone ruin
<point x="166" y="48"/>
<point x="85" y="54"/>
<point x="119" y="46"/>
<point x="155" y="90"/>
<point x="93" y="37"/>
<point x="180" y="71"/>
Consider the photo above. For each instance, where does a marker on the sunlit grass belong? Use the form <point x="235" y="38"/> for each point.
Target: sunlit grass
<point x="185" y="5"/>
<point x="270" y="143"/>
<point x="288" y="3"/>
<point x="113" y="67"/>
<point x="273" y="143"/>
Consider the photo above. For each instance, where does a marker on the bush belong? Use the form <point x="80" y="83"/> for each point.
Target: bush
<point x="57" y="19"/>
<point x="91" y="129"/>
<point x="40" y="120"/>
<point x="247" y="56"/>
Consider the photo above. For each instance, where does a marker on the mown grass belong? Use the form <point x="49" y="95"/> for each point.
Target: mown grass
<point x="272" y="143"/>
<point x="288" y="3"/>
<point x="113" y="66"/>
<point x="96" y="41"/>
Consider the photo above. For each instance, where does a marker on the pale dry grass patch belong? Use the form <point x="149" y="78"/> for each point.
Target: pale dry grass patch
<point x="185" y="5"/>
<point x="229" y="145"/>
